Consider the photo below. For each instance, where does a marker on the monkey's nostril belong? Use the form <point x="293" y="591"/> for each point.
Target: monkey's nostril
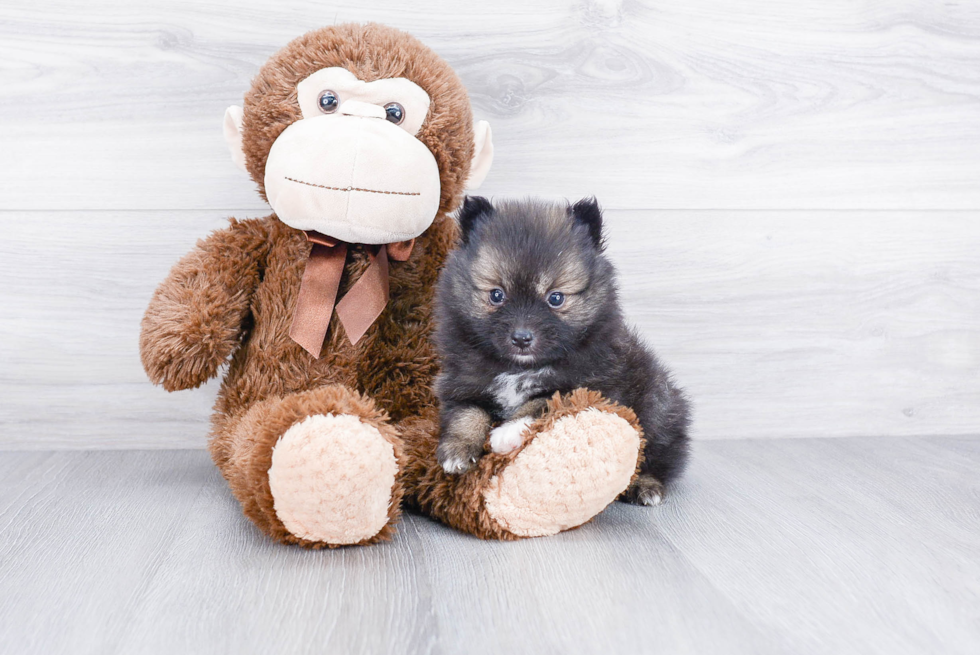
<point x="522" y="338"/>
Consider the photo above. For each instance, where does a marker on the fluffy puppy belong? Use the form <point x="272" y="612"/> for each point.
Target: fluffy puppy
<point x="527" y="306"/>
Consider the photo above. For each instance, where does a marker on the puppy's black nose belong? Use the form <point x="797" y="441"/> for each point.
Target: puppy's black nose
<point x="522" y="338"/>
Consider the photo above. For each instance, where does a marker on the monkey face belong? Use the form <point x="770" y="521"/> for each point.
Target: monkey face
<point x="367" y="144"/>
<point x="352" y="168"/>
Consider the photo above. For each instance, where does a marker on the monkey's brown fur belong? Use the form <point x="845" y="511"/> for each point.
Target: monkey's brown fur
<point x="233" y="296"/>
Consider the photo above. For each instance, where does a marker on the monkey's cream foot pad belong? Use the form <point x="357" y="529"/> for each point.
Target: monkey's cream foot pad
<point x="332" y="479"/>
<point x="566" y="475"/>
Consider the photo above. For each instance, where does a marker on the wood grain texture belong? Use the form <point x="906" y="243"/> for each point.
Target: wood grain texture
<point x="810" y="323"/>
<point x="77" y="287"/>
<point x="763" y="104"/>
<point x="788" y="546"/>
<point x="779" y="324"/>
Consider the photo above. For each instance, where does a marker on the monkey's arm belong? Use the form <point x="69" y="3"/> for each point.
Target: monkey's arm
<point x="195" y="318"/>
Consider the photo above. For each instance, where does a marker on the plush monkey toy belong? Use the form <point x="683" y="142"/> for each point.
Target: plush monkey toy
<point x="362" y="140"/>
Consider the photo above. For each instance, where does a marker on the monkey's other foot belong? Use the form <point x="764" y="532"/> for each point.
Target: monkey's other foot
<point x="566" y="474"/>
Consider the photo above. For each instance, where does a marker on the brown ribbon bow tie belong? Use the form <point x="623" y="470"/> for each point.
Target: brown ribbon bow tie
<point x="360" y="306"/>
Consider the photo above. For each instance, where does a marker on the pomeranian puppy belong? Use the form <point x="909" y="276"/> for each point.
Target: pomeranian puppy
<point x="527" y="306"/>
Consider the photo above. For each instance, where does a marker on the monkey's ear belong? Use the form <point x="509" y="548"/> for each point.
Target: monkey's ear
<point x="482" y="155"/>
<point x="233" y="135"/>
<point x="473" y="210"/>
<point x="586" y="212"/>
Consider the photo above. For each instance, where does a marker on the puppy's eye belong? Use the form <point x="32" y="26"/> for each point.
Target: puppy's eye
<point x="395" y="112"/>
<point x="556" y="299"/>
<point x="497" y="297"/>
<point x="328" y="102"/>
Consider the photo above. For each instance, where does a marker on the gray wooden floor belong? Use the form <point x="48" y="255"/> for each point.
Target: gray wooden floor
<point x="857" y="545"/>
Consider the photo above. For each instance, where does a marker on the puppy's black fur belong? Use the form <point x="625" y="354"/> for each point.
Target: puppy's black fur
<point x="528" y="306"/>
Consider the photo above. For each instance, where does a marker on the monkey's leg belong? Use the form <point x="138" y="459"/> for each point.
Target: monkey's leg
<point x="317" y="468"/>
<point x="576" y="459"/>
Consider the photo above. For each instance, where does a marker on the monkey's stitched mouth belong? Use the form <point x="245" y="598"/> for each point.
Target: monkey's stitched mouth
<point x="353" y="188"/>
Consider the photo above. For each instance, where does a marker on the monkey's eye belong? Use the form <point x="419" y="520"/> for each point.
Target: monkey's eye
<point x="395" y="112"/>
<point x="497" y="296"/>
<point x="328" y="102"/>
<point x="556" y="299"/>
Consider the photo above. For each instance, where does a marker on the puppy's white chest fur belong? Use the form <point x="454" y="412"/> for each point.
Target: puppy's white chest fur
<point x="511" y="390"/>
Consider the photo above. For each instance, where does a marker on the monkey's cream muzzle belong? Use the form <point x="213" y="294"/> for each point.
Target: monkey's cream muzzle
<point x="347" y="171"/>
<point x="350" y="172"/>
<point x="354" y="177"/>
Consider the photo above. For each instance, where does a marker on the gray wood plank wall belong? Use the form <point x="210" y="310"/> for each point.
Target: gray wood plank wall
<point x="793" y="192"/>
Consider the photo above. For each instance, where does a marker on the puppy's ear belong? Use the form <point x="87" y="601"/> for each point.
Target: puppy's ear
<point x="586" y="213"/>
<point x="474" y="209"/>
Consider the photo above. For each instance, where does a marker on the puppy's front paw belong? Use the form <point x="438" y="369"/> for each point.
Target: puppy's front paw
<point x="645" y="490"/>
<point x="456" y="456"/>
<point x="509" y="436"/>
